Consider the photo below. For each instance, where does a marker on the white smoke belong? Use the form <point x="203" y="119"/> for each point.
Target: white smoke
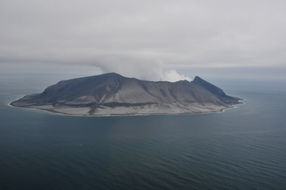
<point x="145" y="69"/>
<point x="173" y="75"/>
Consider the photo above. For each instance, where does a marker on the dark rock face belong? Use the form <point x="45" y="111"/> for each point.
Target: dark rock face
<point x="215" y="91"/>
<point x="103" y="94"/>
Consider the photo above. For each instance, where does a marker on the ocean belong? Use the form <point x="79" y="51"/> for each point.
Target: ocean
<point x="241" y="148"/>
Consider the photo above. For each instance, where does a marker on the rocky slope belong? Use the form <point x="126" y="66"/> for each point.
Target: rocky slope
<point x="113" y="94"/>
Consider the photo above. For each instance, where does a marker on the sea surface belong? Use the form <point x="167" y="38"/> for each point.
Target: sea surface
<point x="241" y="148"/>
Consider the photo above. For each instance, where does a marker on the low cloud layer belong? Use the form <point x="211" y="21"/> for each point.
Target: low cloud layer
<point x="145" y="39"/>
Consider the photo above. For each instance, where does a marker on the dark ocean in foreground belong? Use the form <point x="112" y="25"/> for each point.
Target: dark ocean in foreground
<point x="242" y="148"/>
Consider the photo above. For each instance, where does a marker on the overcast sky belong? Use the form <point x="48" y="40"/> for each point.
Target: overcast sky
<point x="148" y="39"/>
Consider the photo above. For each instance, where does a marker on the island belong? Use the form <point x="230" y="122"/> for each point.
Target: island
<point x="113" y="94"/>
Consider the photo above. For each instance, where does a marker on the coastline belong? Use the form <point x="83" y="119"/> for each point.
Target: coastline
<point x="54" y="112"/>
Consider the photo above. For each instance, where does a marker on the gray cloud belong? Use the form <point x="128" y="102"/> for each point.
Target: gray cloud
<point x="150" y="39"/>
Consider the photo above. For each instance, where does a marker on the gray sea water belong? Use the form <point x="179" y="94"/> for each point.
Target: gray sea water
<point x="242" y="148"/>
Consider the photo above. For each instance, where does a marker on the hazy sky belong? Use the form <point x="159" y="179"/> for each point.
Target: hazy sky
<point x="148" y="39"/>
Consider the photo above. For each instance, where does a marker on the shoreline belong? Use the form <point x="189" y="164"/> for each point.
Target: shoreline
<point x="53" y="112"/>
